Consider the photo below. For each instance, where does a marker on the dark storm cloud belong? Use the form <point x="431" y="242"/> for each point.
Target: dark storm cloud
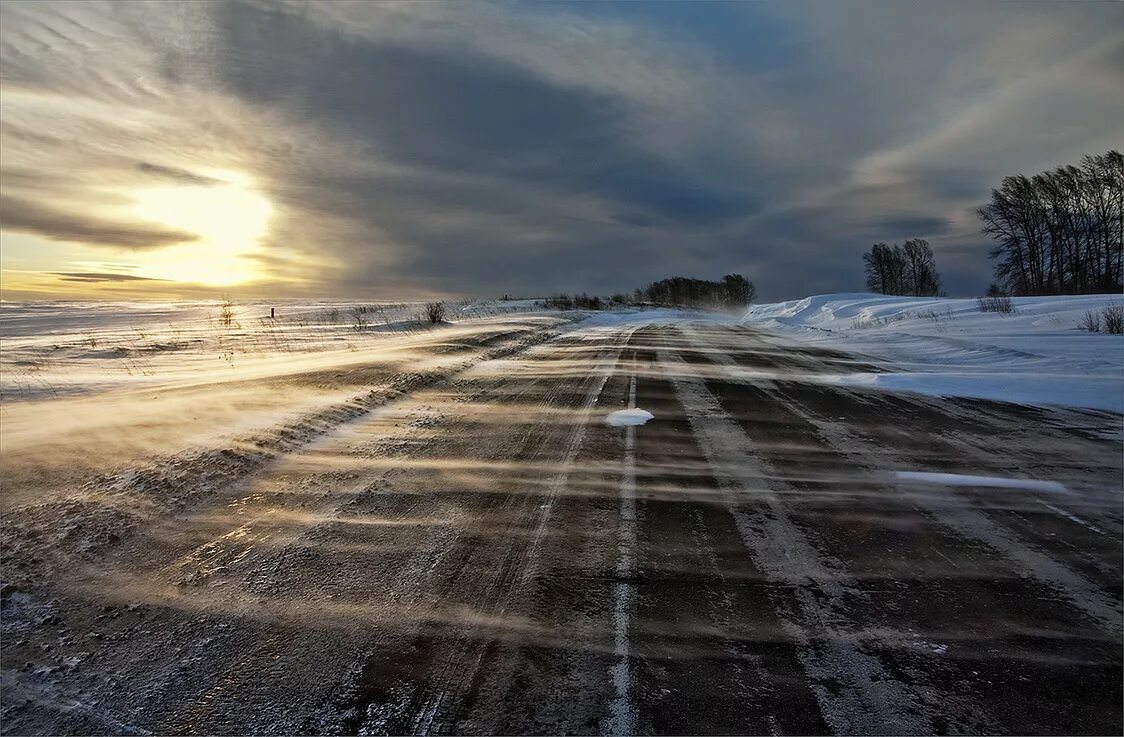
<point x="955" y="182"/>
<point x="480" y="147"/>
<point x="907" y="227"/>
<point x="458" y="112"/>
<point x="66" y="225"/>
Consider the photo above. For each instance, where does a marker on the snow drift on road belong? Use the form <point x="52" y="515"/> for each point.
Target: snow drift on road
<point x="947" y="347"/>
<point x="628" y="417"/>
<point x="998" y="482"/>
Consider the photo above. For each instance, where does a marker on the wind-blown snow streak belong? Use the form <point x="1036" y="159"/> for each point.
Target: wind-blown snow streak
<point x="457" y="669"/>
<point x="577" y="438"/>
<point x="866" y="698"/>
<point x="1072" y="518"/>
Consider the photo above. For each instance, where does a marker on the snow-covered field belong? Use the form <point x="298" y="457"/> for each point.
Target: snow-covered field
<point x="1036" y="355"/>
<point x="102" y="385"/>
<point x="55" y="349"/>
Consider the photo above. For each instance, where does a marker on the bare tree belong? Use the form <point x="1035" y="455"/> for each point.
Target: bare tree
<point x="920" y="269"/>
<point x="1060" y="232"/>
<point x="906" y="269"/>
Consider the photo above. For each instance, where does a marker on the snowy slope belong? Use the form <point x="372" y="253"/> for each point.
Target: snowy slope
<point x="1037" y="355"/>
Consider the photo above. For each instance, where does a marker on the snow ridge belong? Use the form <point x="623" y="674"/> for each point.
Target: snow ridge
<point x="1036" y="355"/>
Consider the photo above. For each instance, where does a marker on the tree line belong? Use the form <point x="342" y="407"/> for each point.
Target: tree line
<point x="732" y="291"/>
<point x="908" y="269"/>
<point x="581" y="301"/>
<point x="1059" y="232"/>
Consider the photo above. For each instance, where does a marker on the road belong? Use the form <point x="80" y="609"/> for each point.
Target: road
<point x="479" y="552"/>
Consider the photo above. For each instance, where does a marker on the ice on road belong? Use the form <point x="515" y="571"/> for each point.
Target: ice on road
<point x="963" y="479"/>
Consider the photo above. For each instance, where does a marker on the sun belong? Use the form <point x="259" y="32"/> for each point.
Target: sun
<point x="230" y="219"/>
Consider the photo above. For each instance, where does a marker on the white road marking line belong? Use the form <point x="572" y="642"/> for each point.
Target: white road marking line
<point x="622" y="717"/>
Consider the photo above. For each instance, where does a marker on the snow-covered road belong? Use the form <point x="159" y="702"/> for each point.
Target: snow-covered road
<point x="458" y="539"/>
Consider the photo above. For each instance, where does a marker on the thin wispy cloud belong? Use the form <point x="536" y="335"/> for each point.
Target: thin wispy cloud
<point x="97" y="277"/>
<point x="65" y="225"/>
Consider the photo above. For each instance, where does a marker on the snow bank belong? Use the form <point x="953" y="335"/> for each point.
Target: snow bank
<point x="946" y="347"/>
<point x="628" y="417"/>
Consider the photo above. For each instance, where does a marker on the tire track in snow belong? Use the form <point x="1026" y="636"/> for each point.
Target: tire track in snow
<point x="403" y="709"/>
<point x="953" y="513"/>
<point x="157" y="490"/>
<point x="622" y="717"/>
<point x="259" y="661"/>
<point x="413" y="579"/>
<point x="441" y="702"/>
<point x="577" y="438"/>
<point x="855" y="692"/>
<point x="949" y="511"/>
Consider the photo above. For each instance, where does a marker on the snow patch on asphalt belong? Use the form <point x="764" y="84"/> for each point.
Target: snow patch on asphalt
<point x="628" y="417"/>
<point x="960" y="479"/>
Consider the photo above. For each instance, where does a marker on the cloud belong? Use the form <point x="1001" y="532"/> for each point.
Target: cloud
<point x="177" y="175"/>
<point x="63" y="225"/>
<point x="445" y="112"/>
<point x="484" y="147"/>
<point x="907" y="227"/>
<point x="94" y="277"/>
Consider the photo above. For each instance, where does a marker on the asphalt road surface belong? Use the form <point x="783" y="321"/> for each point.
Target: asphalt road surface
<point x="479" y="552"/>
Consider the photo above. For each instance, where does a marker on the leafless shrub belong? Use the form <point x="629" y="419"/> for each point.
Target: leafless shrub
<point x="1113" y="318"/>
<point x="869" y="321"/>
<point x="1001" y="304"/>
<point x="940" y="317"/>
<point x="226" y="314"/>
<point x="1091" y="321"/>
<point x="435" y="312"/>
<point x="359" y="319"/>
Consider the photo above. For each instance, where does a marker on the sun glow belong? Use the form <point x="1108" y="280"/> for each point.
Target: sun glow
<point x="230" y="218"/>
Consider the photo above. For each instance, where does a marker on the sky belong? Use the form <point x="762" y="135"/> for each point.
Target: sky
<point x="420" y="149"/>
